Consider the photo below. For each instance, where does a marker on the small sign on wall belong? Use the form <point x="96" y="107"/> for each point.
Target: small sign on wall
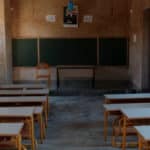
<point x="71" y="18"/>
<point x="50" y="18"/>
<point x="87" y="19"/>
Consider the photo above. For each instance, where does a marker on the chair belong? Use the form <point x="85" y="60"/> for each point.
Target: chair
<point x="43" y="72"/>
<point x="118" y="131"/>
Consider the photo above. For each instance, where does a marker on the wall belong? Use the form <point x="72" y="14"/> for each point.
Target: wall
<point x="137" y="55"/>
<point x="5" y="42"/>
<point x="110" y="19"/>
<point x="28" y="18"/>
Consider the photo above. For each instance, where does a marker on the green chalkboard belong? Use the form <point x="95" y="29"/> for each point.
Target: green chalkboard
<point x="69" y="51"/>
<point x="24" y="52"/>
<point x="113" y="51"/>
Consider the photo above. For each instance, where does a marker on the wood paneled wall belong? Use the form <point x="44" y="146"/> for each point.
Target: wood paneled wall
<point x="5" y="42"/>
<point x="110" y="18"/>
<point x="137" y="55"/>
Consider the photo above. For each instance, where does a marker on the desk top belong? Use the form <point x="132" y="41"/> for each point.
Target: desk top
<point x="127" y="96"/>
<point x="23" y="99"/>
<point x="23" y="86"/>
<point x="25" y="92"/>
<point x="7" y="129"/>
<point x="136" y="113"/>
<point x="38" y="110"/>
<point x="16" y="111"/>
<point x="117" y="107"/>
<point x="144" y="131"/>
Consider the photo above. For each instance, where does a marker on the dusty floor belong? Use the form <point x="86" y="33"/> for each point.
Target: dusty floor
<point x="76" y="123"/>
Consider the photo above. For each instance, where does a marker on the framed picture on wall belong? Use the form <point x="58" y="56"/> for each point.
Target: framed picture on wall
<point x="71" y="17"/>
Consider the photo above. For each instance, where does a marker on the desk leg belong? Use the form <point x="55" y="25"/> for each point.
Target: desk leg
<point x="42" y="128"/>
<point x="19" y="142"/>
<point x="139" y="142"/>
<point x="57" y="78"/>
<point x="124" y="133"/>
<point x="105" y="125"/>
<point x="33" y="141"/>
<point x="45" y="114"/>
<point x="93" y="80"/>
<point x="48" y="107"/>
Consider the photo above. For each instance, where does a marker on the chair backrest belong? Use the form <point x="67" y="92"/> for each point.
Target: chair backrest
<point x="43" y="72"/>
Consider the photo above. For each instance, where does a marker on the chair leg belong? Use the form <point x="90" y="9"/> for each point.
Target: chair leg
<point x="113" y="140"/>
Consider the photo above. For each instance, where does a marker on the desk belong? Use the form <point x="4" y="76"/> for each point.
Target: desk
<point x="26" y="101"/>
<point x="133" y="114"/>
<point x="115" y="109"/>
<point x="38" y="115"/>
<point x="143" y="135"/>
<point x="12" y="130"/>
<point x="27" y="92"/>
<point x="127" y="98"/>
<point x="58" y="68"/>
<point x="16" y="114"/>
<point x="22" y="86"/>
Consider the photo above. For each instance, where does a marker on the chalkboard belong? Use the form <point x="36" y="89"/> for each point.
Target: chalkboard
<point x="24" y="52"/>
<point x="68" y="51"/>
<point x="113" y="51"/>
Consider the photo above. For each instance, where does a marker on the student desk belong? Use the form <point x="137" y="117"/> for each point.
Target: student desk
<point x="114" y="109"/>
<point x="127" y="98"/>
<point x="25" y="92"/>
<point x="17" y="114"/>
<point x="133" y="114"/>
<point x="26" y="101"/>
<point x="12" y="130"/>
<point x="143" y="135"/>
<point x="22" y="86"/>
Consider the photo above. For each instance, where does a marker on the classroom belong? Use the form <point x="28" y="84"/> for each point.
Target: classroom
<point x="74" y="74"/>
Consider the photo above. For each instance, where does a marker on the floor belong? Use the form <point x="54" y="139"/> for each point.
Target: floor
<point x="76" y="123"/>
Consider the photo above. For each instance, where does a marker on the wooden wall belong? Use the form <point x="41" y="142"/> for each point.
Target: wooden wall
<point x="137" y="55"/>
<point x="110" y="18"/>
<point x="5" y="42"/>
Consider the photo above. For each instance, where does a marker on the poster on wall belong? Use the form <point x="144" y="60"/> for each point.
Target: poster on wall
<point x="71" y="17"/>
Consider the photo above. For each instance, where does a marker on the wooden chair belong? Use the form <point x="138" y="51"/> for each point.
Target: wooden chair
<point x="118" y="131"/>
<point x="43" y="72"/>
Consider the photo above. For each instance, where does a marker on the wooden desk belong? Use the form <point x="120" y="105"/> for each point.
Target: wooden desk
<point x="26" y="101"/>
<point x="127" y="98"/>
<point x="22" y="86"/>
<point x="143" y="135"/>
<point x="16" y="114"/>
<point x="58" y="68"/>
<point x="38" y="104"/>
<point x="115" y="109"/>
<point x="27" y="92"/>
<point x="133" y="114"/>
<point x="12" y="130"/>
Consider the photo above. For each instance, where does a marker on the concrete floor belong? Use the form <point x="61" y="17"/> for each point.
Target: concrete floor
<point x="76" y="123"/>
